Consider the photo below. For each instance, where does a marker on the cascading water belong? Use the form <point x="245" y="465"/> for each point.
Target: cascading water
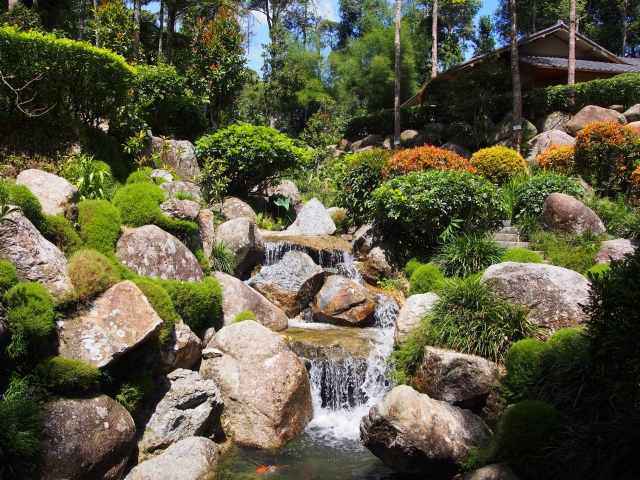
<point x="274" y="251"/>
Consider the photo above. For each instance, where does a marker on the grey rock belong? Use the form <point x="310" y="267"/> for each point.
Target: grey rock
<point x="313" y="219"/>
<point x="151" y="252"/>
<point x="344" y="302"/>
<point x="35" y="258"/>
<point x="188" y="406"/>
<point x="369" y="141"/>
<point x="180" y="155"/>
<point x="616" y="250"/>
<point x="541" y="142"/>
<point x="408" y="138"/>
<point x="193" y="458"/>
<point x="427" y="138"/>
<point x="376" y="265"/>
<point x="564" y="214"/>
<point x="206" y="232"/>
<point x="591" y="114"/>
<point x="183" y="209"/>
<point x="462" y="151"/>
<point x="415" y="308"/>
<point x="71" y="212"/>
<point x="365" y="149"/>
<point x="633" y="113"/>
<point x="211" y="353"/>
<point x="163" y="174"/>
<point x="244" y="240"/>
<point x="501" y="133"/>
<point x="497" y="471"/>
<point x="617" y="107"/>
<point x="54" y="192"/>
<point x="181" y="350"/>
<point x="553" y="121"/>
<point x="171" y="189"/>
<point x="635" y="125"/>
<point x="286" y="188"/>
<point x="364" y="239"/>
<point x="233" y="208"/>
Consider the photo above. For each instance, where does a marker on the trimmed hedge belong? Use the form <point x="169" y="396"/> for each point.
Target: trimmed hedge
<point x="498" y="164"/>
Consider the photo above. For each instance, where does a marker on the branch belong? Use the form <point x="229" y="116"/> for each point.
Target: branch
<point x="36" y="112"/>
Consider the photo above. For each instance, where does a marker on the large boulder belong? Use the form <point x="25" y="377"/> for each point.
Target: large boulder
<point x="35" y="258"/>
<point x="497" y="471"/>
<point x="553" y="121"/>
<point x="286" y="188"/>
<point x="161" y="174"/>
<point x="413" y="433"/>
<point x="555" y="294"/>
<point x="54" y="192"/>
<point x="415" y="308"/>
<point x="376" y="265"/>
<point x="233" y="207"/>
<point x="193" y="458"/>
<point x="206" y="232"/>
<point x="408" y="138"/>
<point x="111" y="325"/>
<point x="180" y="155"/>
<point x="462" y="151"/>
<point x="541" y="142"/>
<point x="364" y="239"/>
<point x="372" y="140"/>
<point x="151" y="252"/>
<point x="632" y="114"/>
<point x="616" y="250"/>
<point x="184" y="405"/>
<point x="344" y="302"/>
<point x="171" y="189"/>
<point x="462" y="380"/>
<point x="264" y="385"/>
<point x="291" y="283"/>
<point x="564" y="214"/>
<point x="181" y="350"/>
<point x="86" y="439"/>
<point x="244" y="240"/>
<point x="501" y="133"/>
<point x="591" y="114"/>
<point x="313" y="219"/>
<point x="237" y="297"/>
<point x="183" y="209"/>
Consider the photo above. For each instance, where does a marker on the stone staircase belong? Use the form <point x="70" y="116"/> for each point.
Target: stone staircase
<point x="509" y="237"/>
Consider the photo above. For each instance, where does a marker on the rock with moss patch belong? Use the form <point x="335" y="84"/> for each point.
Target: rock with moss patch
<point x="86" y="439"/>
<point x="54" y="192"/>
<point x="161" y="174"/>
<point x="174" y="189"/>
<point x="501" y="133"/>
<point x="344" y="302"/>
<point x="115" y="322"/>
<point x="313" y="219"/>
<point x="415" y="308"/>
<point x="179" y="155"/>
<point x="244" y="240"/>
<point x="616" y="250"/>
<point x="183" y="209"/>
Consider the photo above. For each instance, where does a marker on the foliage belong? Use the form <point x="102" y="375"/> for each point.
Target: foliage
<point x="572" y="252"/>
<point x="99" y="223"/>
<point x="322" y="133"/>
<point x="509" y="193"/>
<point x="605" y="156"/>
<point x="61" y="374"/>
<point x="521" y="255"/>
<point x="498" y="164"/>
<point x="139" y="176"/>
<point x="382" y="121"/>
<point x="266" y="221"/>
<point x="22" y="17"/>
<point x="620" y="220"/>
<point x="222" y="259"/>
<point x="198" y="303"/>
<point x="531" y="195"/>
<point x="132" y="390"/>
<point x="91" y="273"/>
<point x="597" y="270"/>
<point x="113" y="26"/>
<point x="254" y="156"/>
<point x="31" y="319"/>
<point x="412" y="265"/>
<point x="58" y="230"/>
<point x="203" y="261"/>
<point x="341" y="221"/>
<point x="462" y="255"/>
<point x="425" y="278"/>
<point x="357" y="176"/>
<point x="423" y="158"/>
<point x="29" y="204"/>
<point x="523" y="368"/>
<point x="245" y="315"/>
<point x="161" y="302"/>
<point x="8" y="276"/>
<point x="213" y="181"/>
<point x="556" y="158"/>
<point x="421" y="205"/>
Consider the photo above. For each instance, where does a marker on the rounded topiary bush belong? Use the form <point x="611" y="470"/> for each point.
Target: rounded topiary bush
<point x="31" y="318"/>
<point x="423" y="158"/>
<point x="29" y="204"/>
<point x="522" y="255"/>
<point x="99" y="224"/>
<point x="425" y="278"/>
<point x="498" y="164"/>
<point x="161" y="302"/>
<point x="412" y="265"/>
<point x="556" y="158"/>
<point x="559" y="337"/>
<point x="530" y="196"/>
<point x="8" y="276"/>
<point x="198" y="303"/>
<point x="139" y="176"/>
<point x="60" y="232"/>
<point x="91" y="273"/>
<point x="245" y="315"/>
<point x="138" y="203"/>
<point x="522" y="364"/>
<point x="61" y="374"/>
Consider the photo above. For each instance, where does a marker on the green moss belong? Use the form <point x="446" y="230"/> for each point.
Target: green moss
<point x="31" y="319"/>
<point x="161" y="302"/>
<point x="60" y="232"/>
<point x="412" y="265"/>
<point x="91" y="273"/>
<point x="138" y="203"/>
<point x="562" y="336"/>
<point x="203" y="261"/>
<point x="597" y="270"/>
<point x="139" y="176"/>
<point x="245" y="315"/>
<point x="198" y="303"/>
<point x="29" y="204"/>
<point x="99" y="224"/>
<point x="8" y="276"/>
<point x="522" y="364"/>
<point x="522" y="255"/>
<point x="426" y="278"/>
<point x="132" y="390"/>
<point x="61" y="374"/>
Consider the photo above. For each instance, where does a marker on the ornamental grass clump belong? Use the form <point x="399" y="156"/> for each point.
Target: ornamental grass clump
<point x="424" y="158"/>
<point x="498" y="164"/>
<point x="463" y="255"/>
<point x="556" y="158"/>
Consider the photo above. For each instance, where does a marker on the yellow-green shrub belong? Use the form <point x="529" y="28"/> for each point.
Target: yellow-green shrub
<point x="498" y="164"/>
<point x="90" y="273"/>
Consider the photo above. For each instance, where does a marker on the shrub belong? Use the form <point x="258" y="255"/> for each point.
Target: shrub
<point x="253" y="156"/>
<point x="522" y="364"/>
<point x="522" y="255"/>
<point x="99" y="224"/>
<point x="462" y="255"/>
<point x="572" y="252"/>
<point x="357" y="176"/>
<point x="222" y="259"/>
<point x="58" y="230"/>
<point x="597" y="270"/>
<point x="60" y="374"/>
<point x="198" y="303"/>
<point x="133" y="389"/>
<point x="341" y="221"/>
<point x="423" y="158"/>
<point x="161" y="302"/>
<point x="425" y="278"/>
<point x="91" y="273"/>
<point x="420" y="206"/>
<point x="29" y="204"/>
<point x="31" y="319"/>
<point x="245" y="315"/>
<point x="531" y="195"/>
<point x="556" y="158"/>
<point x="606" y="155"/>
<point x="412" y="265"/>
<point x="8" y="276"/>
<point x="498" y="164"/>
<point x="620" y="220"/>
<point x="139" y="176"/>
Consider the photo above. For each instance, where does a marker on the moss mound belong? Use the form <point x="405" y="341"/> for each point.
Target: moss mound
<point x="8" y="276"/>
<point x="198" y="303"/>
<point x="60" y="232"/>
<point x="425" y="278"/>
<point x="99" y="224"/>
<point x="522" y="255"/>
<point x="91" y="273"/>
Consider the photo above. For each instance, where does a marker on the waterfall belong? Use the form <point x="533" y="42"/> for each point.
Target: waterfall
<point x="274" y="251"/>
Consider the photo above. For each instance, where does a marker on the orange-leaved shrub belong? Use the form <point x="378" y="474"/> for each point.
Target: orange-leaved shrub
<point x="424" y="158"/>
<point x="498" y="163"/>
<point x="556" y="158"/>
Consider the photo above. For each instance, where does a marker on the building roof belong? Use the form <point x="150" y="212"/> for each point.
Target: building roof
<point x="584" y="65"/>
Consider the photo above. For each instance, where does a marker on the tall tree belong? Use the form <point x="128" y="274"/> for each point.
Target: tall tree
<point x="516" y="137"/>
<point x="484" y="41"/>
<point x="434" y="39"/>
<point x="571" y="71"/>
<point x="137" y="6"/>
<point x="398" y="72"/>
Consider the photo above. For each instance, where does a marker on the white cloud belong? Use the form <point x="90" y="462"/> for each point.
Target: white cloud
<point x="328" y="9"/>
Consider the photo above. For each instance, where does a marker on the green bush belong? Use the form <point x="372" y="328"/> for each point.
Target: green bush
<point x="597" y="270"/>
<point x="31" y="319"/>
<point x="425" y="278"/>
<point x="572" y="252"/>
<point x="58" y="230"/>
<point x="522" y="255"/>
<point x="245" y="315"/>
<point x="29" y="204"/>
<point x="8" y="276"/>
<point x="357" y="176"/>
<point x="253" y="156"/>
<point x="341" y="221"/>
<point x="198" y="303"/>
<point x="91" y="273"/>
<point x="620" y="220"/>
<point x="161" y="302"/>
<point x="498" y="164"/>
<point x="463" y="255"/>
<point x="61" y="374"/>
<point x="522" y="364"/>
<point x="99" y="224"/>
<point x="132" y="390"/>
<point x="420" y="206"/>
<point x="139" y="176"/>
<point x="531" y="195"/>
<point x="412" y="265"/>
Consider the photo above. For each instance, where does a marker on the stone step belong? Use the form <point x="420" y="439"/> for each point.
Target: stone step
<point x="506" y="237"/>
<point x="506" y="223"/>
<point x="509" y="230"/>
<point x="510" y="245"/>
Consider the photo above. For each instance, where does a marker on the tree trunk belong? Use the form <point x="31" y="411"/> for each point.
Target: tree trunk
<point x="396" y="100"/>
<point x="161" y="30"/>
<point x="625" y="26"/>
<point x="136" y="29"/>
<point x="95" y="17"/>
<point x="571" y="73"/>
<point x="534" y="16"/>
<point x="516" y="137"/>
<point x="83" y="6"/>
<point x="171" y="25"/>
<point x="12" y="3"/>
<point x="434" y="37"/>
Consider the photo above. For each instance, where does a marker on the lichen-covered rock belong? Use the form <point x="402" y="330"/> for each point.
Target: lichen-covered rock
<point x="180" y="155"/>
<point x="193" y="458"/>
<point x="183" y="209"/>
<point x="632" y="114"/>
<point x="54" y="192"/>
<point x="233" y="208"/>
<point x="111" y="325"/>
<point x="181" y="350"/>
<point x="86" y="439"/>
<point x="591" y="114"/>
<point x="244" y="240"/>
<point x="184" y="405"/>
<point x="555" y="294"/>
<point x="544" y="140"/>
<point x="376" y="266"/>
<point x="364" y="239"/>
<point x="35" y="258"/>
<point x="264" y="385"/>
<point x="206" y="232"/>
<point x="408" y="138"/>
<point x="313" y="219"/>
<point x="291" y="283"/>
<point x="553" y="121"/>
<point x="344" y="302"/>
<point x="616" y="250"/>
<point x="564" y="214"/>
<point x="413" y="433"/>
<point x="171" y="189"/>
<point x="162" y="174"/>
<point x="415" y="308"/>
<point x="501" y="133"/>
<point x="462" y="380"/>
<point x="151" y="252"/>
<point x="237" y="297"/>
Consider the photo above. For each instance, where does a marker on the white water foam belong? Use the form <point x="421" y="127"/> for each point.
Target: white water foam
<point x="310" y="325"/>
